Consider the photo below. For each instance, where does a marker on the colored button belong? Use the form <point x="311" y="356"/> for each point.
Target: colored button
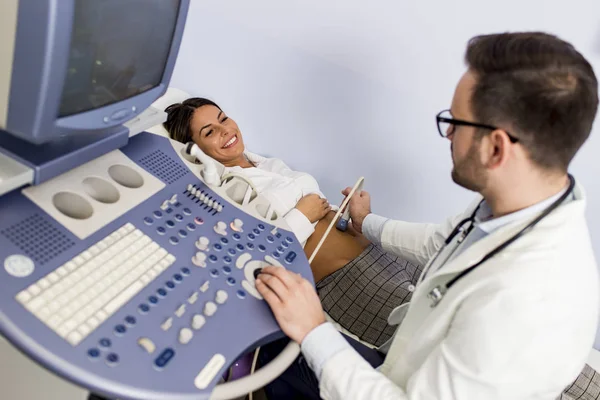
<point x="218" y="247"/>
<point x="161" y="230"/>
<point x="231" y="281"/>
<point x="285" y="244"/>
<point x="237" y="236"/>
<point x="93" y="353"/>
<point x="270" y="239"/>
<point x="130" y="320"/>
<point x="148" y="221"/>
<point x="289" y="239"/>
<point x="261" y="227"/>
<point x="182" y="233"/>
<point x="241" y="294"/>
<point x="173" y="240"/>
<point x="120" y="329"/>
<point x="226" y="270"/>
<point x="291" y="256"/>
<point x="280" y="249"/>
<point x="177" y="277"/>
<point x="112" y="359"/>
<point x="170" y="224"/>
<point x="158" y="214"/>
<point x="185" y="271"/>
<point x="228" y="259"/>
<point x="153" y="299"/>
<point x="105" y="342"/>
<point x="178" y="204"/>
<point x="214" y="273"/>
<point x="170" y="285"/>
<point x="240" y="247"/>
<point x="161" y="292"/>
<point x="163" y="358"/>
<point x="191" y="227"/>
<point x="251" y="236"/>
<point x="144" y="308"/>
<point x="198" y="221"/>
<point x="278" y="235"/>
<point x="256" y="231"/>
<point x="213" y="258"/>
<point x="275" y="254"/>
<point x="224" y="240"/>
<point x="249" y="246"/>
<point x="178" y="217"/>
<point x="187" y="211"/>
<point x="231" y="251"/>
<point x="261" y="247"/>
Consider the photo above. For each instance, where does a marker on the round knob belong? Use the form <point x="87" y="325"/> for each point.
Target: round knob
<point x="221" y="227"/>
<point x="210" y="308"/>
<point x="198" y="321"/>
<point x="199" y="259"/>
<point x="221" y="297"/>
<point x="202" y="243"/>
<point x="185" y="335"/>
<point x="237" y="225"/>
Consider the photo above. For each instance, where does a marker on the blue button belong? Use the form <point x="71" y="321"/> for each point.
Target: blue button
<point x="177" y="277"/>
<point x="240" y="247"/>
<point x="224" y="240"/>
<point x="218" y="247"/>
<point x="158" y="214"/>
<point x="185" y="271"/>
<point x="278" y="235"/>
<point x="250" y="246"/>
<point x="198" y="221"/>
<point x="231" y="281"/>
<point x="163" y="359"/>
<point x="174" y="240"/>
<point x="130" y="320"/>
<point x="105" y="342"/>
<point x="280" y="249"/>
<point x="285" y="244"/>
<point x="256" y="231"/>
<point x="120" y="329"/>
<point x="178" y="217"/>
<point x="148" y="221"/>
<point x="187" y="211"/>
<point x="169" y="210"/>
<point x="261" y="247"/>
<point x="275" y="254"/>
<point x="161" y="230"/>
<point x="291" y="256"/>
<point x="182" y="233"/>
<point x="153" y="299"/>
<point x="112" y="359"/>
<point x="170" y="285"/>
<point x="178" y="204"/>
<point x="214" y="273"/>
<point x="227" y="270"/>
<point x="241" y="294"/>
<point x="270" y="239"/>
<point x="227" y="259"/>
<point x="161" y="292"/>
<point x="93" y="353"/>
<point x="261" y="227"/>
<point x="191" y="227"/>
<point x="213" y="258"/>
<point x="251" y="236"/>
<point x="289" y="239"/>
<point x="170" y="224"/>
<point x="144" y="308"/>
<point x="237" y="236"/>
<point x="231" y="251"/>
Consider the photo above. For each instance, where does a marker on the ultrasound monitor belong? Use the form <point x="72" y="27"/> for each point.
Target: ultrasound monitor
<point x="81" y="67"/>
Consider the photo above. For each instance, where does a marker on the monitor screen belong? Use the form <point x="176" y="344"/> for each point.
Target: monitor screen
<point x="118" y="49"/>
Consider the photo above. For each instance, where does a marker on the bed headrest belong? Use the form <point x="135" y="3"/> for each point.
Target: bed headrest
<point x="172" y="95"/>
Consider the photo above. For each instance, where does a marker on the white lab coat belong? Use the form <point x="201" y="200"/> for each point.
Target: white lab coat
<point x="518" y="327"/>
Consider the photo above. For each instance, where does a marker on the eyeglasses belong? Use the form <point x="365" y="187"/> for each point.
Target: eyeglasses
<point x="446" y="124"/>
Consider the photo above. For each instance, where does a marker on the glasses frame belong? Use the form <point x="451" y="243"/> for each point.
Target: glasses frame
<point x="459" y="122"/>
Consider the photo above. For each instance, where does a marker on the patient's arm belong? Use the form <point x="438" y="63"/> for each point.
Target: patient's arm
<point x="338" y="249"/>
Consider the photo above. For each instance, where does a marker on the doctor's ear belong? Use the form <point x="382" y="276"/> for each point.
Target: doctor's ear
<point x="496" y="148"/>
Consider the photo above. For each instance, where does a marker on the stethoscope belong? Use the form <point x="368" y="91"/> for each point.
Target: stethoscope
<point x="437" y="293"/>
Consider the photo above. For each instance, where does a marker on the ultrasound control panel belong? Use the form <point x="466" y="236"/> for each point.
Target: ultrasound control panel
<point x="131" y="277"/>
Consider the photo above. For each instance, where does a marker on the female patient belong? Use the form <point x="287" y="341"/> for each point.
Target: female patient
<point x="359" y="284"/>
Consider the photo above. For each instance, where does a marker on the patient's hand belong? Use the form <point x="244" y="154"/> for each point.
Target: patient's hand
<point x="313" y="207"/>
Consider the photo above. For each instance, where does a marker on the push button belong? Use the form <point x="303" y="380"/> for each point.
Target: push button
<point x="163" y="359"/>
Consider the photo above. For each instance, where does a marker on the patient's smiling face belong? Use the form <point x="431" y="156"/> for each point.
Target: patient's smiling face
<point x="217" y="135"/>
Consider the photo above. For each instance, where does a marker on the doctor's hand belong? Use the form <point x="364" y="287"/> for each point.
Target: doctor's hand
<point x="313" y="207"/>
<point x="292" y="299"/>
<point x="360" y="207"/>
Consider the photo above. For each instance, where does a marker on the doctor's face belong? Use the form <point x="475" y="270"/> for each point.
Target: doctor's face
<point x="217" y="135"/>
<point x="468" y="169"/>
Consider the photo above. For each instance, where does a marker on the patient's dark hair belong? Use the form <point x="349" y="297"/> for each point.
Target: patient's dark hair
<point x="537" y="87"/>
<point x="179" y="117"/>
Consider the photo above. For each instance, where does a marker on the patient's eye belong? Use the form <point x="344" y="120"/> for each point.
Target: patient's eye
<point x="208" y="133"/>
<point x="224" y="119"/>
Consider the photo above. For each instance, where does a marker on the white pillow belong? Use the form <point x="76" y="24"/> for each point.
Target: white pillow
<point x="172" y="95"/>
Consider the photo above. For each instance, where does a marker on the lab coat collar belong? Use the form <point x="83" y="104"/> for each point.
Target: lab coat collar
<point x="480" y="248"/>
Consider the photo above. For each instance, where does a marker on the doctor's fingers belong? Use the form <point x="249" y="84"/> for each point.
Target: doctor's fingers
<point x="275" y="285"/>
<point x="288" y="279"/>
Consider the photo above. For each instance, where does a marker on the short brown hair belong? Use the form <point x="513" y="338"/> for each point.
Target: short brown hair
<point x="179" y="117"/>
<point x="539" y="88"/>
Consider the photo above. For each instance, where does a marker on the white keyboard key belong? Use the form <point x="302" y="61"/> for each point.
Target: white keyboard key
<point x="93" y="322"/>
<point x="86" y="255"/>
<point x="129" y="226"/>
<point x="123" y="297"/>
<point x="34" y="290"/>
<point x="79" y="260"/>
<point x="54" y="321"/>
<point x="74" y="338"/>
<point x="95" y="250"/>
<point x="102" y="245"/>
<point x="145" y="279"/>
<point x="44" y="283"/>
<point x="36" y="303"/>
<point x="23" y="297"/>
<point x="84" y="329"/>
<point x="101" y="316"/>
<point x="171" y="258"/>
<point x="44" y="313"/>
<point x="62" y="331"/>
<point x="54" y="306"/>
<point x="70" y="265"/>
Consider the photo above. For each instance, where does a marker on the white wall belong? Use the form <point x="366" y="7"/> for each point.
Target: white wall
<point x="343" y="89"/>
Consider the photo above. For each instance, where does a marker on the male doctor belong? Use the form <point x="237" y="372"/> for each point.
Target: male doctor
<point x="521" y="323"/>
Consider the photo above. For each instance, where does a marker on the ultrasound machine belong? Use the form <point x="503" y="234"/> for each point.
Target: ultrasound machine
<point x="121" y="269"/>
